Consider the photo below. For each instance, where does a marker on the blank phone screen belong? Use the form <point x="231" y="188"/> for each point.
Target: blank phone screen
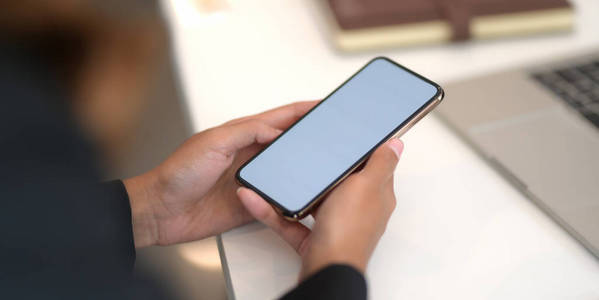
<point x="315" y="152"/>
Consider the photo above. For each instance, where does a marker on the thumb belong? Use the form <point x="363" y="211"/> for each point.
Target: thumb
<point x="381" y="165"/>
<point x="294" y="233"/>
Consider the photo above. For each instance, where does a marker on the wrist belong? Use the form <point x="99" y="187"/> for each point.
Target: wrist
<point x="142" y="194"/>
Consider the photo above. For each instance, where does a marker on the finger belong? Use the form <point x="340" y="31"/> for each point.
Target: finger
<point x="281" y="117"/>
<point x="238" y="136"/>
<point x="294" y="233"/>
<point x="389" y="195"/>
<point x="381" y="165"/>
<point x="316" y="208"/>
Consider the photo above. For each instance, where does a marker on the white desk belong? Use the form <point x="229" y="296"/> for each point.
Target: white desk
<point x="459" y="230"/>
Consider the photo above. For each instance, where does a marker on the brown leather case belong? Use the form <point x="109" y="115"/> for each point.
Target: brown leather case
<point x="360" y="14"/>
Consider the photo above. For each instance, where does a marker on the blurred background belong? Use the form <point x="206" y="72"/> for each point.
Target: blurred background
<point x="116" y="58"/>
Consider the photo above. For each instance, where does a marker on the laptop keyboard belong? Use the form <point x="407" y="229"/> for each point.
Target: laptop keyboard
<point x="578" y="86"/>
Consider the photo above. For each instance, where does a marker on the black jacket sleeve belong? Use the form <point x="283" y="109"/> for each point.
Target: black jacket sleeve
<point x="332" y="282"/>
<point x="63" y="234"/>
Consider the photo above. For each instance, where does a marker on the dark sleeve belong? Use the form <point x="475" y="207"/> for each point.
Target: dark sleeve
<point x="64" y="234"/>
<point x="332" y="282"/>
<point x="117" y="200"/>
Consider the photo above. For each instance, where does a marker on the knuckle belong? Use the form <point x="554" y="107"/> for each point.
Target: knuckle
<point x="210" y="133"/>
<point x="393" y="204"/>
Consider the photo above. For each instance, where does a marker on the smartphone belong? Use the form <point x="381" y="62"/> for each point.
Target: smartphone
<point x="382" y="100"/>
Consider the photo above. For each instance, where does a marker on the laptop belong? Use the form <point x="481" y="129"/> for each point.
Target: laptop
<point x="539" y="127"/>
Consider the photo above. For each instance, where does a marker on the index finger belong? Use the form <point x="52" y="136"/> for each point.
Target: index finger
<point x="281" y="117"/>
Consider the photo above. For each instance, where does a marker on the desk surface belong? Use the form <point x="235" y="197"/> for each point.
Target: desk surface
<point x="459" y="229"/>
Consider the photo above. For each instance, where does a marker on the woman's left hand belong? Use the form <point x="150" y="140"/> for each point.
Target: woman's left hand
<point x="192" y="195"/>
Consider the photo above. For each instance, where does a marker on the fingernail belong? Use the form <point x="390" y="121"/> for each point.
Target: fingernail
<point x="397" y="146"/>
<point x="238" y="190"/>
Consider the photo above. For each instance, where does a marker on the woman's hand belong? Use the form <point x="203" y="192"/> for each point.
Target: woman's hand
<point x="191" y="195"/>
<point x="348" y="223"/>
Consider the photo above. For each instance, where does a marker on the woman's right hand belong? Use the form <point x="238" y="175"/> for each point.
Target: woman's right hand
<point x="348" y="223"/>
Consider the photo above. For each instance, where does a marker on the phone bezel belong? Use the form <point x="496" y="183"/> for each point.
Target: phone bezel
<point x="300" y="213"/>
